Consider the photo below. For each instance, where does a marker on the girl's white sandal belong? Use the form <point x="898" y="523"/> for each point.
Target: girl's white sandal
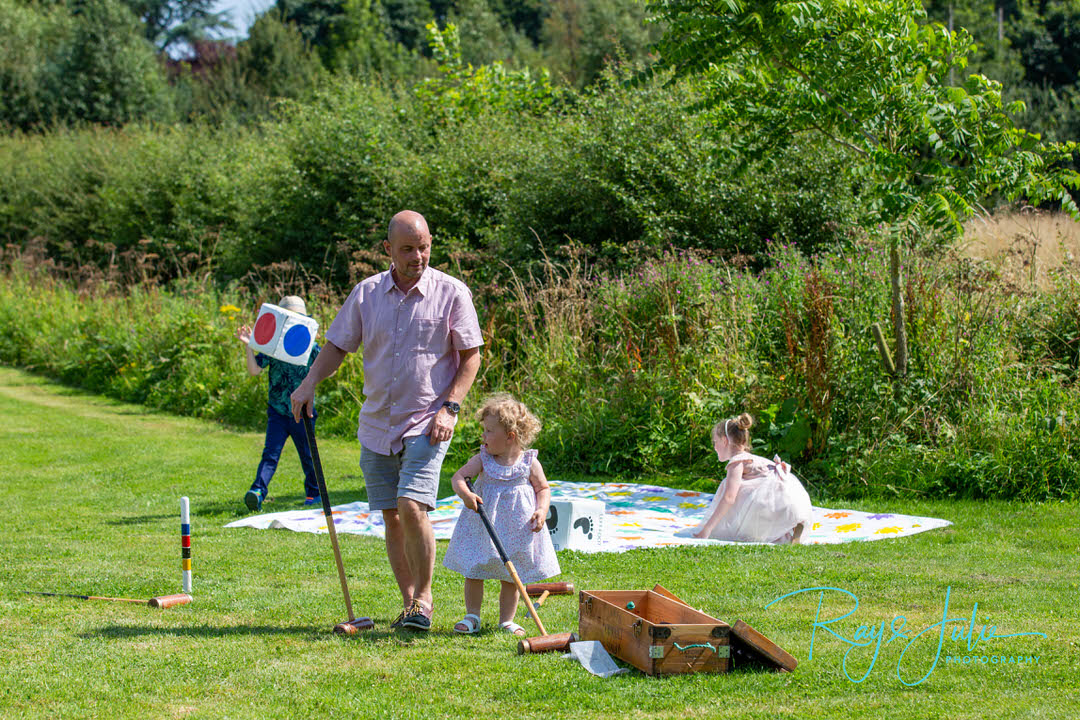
<point x="513" y="628"/>
<point x="471" y="622"/>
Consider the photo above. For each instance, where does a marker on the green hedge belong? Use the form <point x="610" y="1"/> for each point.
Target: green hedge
<point x="629" y="371"/>
<point x="622" y="172"/>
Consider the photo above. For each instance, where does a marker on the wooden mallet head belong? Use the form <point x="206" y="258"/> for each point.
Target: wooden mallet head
<point x="554" y="588"/>
<point x="168" y="601"/>
<point x="547" y="643"/>
<point x="352" y="627"/>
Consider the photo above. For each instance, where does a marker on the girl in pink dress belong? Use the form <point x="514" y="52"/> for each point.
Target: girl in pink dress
<point x="515" y="494"/>
<point x="760" y="500"/>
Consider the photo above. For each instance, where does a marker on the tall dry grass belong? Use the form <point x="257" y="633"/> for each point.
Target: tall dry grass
<point x="1028" y="247"/>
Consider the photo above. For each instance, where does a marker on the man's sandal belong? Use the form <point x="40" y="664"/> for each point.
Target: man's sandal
<point x="513" y="628"/>
<point x="468" y="625"/>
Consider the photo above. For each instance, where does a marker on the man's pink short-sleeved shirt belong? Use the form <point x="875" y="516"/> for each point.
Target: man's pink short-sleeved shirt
<point x="411" y="343"/>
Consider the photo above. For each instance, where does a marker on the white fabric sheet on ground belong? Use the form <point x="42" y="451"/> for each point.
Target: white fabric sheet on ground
<point x="594" y="658"/>
<point x="638" y="516"/>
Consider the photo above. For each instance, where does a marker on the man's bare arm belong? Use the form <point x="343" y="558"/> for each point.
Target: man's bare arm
<point x="442" y="425"/>
<point x="325" y="365"/>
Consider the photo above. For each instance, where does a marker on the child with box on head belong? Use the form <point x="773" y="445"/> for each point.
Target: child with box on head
<point x="280" y="425"/>
<point x="760" y="500"/>
<point x="515" y="494"/>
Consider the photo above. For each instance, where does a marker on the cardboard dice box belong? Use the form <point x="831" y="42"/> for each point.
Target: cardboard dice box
<point x="283" y="334"/>
<point x="576" y="524"/>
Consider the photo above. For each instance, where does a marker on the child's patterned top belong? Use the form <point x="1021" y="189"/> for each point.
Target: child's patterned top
<point x="493" y="470"/>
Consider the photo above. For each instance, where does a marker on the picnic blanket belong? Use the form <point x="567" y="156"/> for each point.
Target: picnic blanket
<point x="637" y="516"/>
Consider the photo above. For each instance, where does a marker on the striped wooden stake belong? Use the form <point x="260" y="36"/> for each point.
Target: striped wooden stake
<point x="185" y="543"/>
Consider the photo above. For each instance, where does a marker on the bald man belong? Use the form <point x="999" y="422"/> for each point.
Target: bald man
<point x="421" y="347"/>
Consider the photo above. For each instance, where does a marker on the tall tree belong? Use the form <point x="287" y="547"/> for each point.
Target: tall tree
<point x="408" y="21"/>
<point x="872" y="76"/>
<point x="487" y="38"/>
<point x="31" y="36"/>
<point x="168" y="23"/>
<point x="361" y="43"/>
<point x="276" y="60"/>
<point x="315" y="19"/>
<point x="582" y="36"/>
<point x="107" y="72"/>
<point x="1047" y="36"/>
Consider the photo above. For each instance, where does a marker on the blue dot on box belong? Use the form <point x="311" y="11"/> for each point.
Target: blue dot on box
<point x="297" y="340"/>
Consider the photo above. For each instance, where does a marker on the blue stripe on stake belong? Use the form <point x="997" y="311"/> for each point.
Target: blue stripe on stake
<point x="185" y="529"/>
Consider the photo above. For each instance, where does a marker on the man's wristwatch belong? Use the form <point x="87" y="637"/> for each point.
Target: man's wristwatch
<point x="452" y="406"/>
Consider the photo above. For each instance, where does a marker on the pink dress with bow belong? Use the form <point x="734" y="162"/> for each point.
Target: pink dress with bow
<point x="769" y="504"/>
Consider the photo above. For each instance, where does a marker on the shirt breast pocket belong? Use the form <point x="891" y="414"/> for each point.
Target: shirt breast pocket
<point x="429" y="336"/>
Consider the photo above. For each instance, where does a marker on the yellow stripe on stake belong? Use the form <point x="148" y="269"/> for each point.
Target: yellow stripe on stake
<point x="185" y="564"/>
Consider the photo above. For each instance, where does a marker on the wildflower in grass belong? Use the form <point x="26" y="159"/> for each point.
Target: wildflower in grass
<point x="229" y="310"/>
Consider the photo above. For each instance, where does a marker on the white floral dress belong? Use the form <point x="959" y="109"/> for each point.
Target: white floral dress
<point x="769" y="504"/>
<point x="509" y="501"/>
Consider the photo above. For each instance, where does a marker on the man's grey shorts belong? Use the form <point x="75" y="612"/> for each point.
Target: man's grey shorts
<point x="412" y="473"/>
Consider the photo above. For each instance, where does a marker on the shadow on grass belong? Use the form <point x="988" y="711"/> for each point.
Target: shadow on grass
<point x="123" y="632"/>
<point x="311" y="632"/>
<point x="235" y="508"/>
<point x="141" y="519"/>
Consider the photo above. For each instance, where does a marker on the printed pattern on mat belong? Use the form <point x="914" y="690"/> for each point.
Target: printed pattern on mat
<point x="638" y="516"/>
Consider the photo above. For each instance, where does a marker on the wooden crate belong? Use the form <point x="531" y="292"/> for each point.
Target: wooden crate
<point x="749" y="648"/>
<point x="657" y="635"/>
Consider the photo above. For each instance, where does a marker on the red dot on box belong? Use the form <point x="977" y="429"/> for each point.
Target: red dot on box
<point x="264" y="328"/>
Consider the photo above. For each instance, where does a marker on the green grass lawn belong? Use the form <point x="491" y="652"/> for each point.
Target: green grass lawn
<point x="91" y="493"/>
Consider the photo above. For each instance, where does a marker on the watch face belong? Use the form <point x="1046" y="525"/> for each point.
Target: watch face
<point x="452" y="407"/>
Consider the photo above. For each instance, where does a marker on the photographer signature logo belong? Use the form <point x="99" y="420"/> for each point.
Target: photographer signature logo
<point x="874" y="636"/>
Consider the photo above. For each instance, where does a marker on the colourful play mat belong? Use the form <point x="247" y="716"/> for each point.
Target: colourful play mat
<point x="637" y="516"/>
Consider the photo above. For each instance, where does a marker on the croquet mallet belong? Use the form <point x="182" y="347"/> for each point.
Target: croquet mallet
<point x="546" y="642"/>
<point x="354" y="624"/>
<point x="162" y="601"/>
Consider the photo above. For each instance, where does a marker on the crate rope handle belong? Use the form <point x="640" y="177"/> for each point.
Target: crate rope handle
<point x="684" y="648"/>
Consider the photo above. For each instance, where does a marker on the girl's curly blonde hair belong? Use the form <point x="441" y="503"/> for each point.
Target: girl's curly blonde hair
<point x="512" y="415"/>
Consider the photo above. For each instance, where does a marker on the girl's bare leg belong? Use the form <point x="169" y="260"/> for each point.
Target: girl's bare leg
<point x="474" y="598"/>
<point x="508" y="602"/>
<point x="797" y="537"/>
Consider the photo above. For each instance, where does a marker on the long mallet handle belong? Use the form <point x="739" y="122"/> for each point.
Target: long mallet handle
<point x="310" y="430"/>
<point x="506" y="561"/>
<point x="85" y="597"/>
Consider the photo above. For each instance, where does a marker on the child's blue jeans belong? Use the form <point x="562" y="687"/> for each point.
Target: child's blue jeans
<point x="279" y="428"/>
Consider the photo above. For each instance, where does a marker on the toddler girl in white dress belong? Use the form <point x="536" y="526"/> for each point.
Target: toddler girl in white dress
<point x="515" y="494"/>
